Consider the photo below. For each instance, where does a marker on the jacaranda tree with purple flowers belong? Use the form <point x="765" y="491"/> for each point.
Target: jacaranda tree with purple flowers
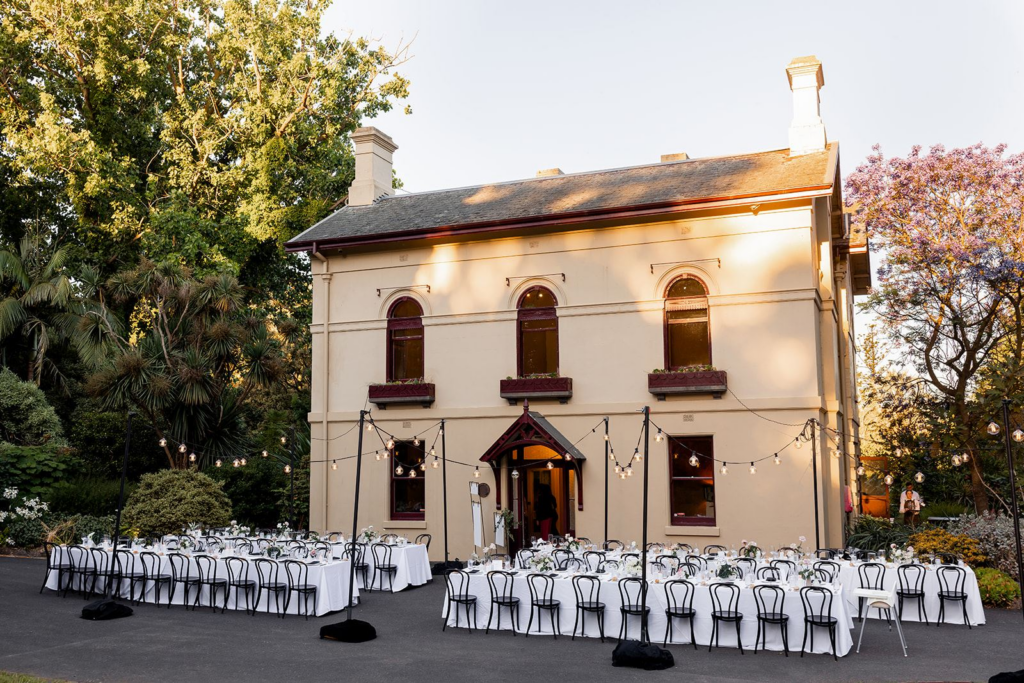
<point x="950" y="227"/>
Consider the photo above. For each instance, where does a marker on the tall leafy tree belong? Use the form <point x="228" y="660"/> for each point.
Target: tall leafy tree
<point x="951" y="226"/>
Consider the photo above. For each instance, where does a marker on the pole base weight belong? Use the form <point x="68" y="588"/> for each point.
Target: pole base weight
<point x="350" y="631"/>
<point x="104" y="609"/>
<point x="649" y="657"/>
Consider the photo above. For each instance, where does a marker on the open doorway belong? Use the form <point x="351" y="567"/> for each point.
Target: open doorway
<point x="543" y="498"/>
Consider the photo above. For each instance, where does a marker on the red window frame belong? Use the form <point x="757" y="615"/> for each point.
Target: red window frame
<point x="531" y="314"/>
<point x="405" y="323"/>
<point x="408" y="456"/>
<point x="667" y="339"/>
<point x="682" y="452"/>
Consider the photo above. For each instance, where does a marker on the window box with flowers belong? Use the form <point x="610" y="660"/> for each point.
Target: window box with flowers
<point x="536" y="387"/>
<point x="697" y="379"/>
<point x="409" y="391"/>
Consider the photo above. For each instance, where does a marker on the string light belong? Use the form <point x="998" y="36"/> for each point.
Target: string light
<point x="284" y="440"/>
<point x="369" y="426"/>
<point x="753" y="468"/>
<point x="611" y="454"/>
<point x="416" y="441"/>
<point x="888" y="479"/>
<point x="476" y="472"/>
<point x="376" y="455"/>
<point x="659" y="436"/>
<point x="617" y="468"/>
<point x="1018" y="435"/>
<point x="244" y="462"/>
<point x="181" y="448"/>
<point x="606" y="438"/>
<point x="725" y="468"/>
<point x="287" y="469"/>
<point x="860" y="470"/>
<point x="777" y="460"/>
<point x="163" y="442"/>
<point x="568" y="457"/>
<point x="412" y="473"/>
<point x="515" y="474"/>
<point x="265" y="454"/>
<point x="334" y="465"/>
<point x="236" y="463"/>
<point x="637" y="455"/>
<point x="796" y="443"/>
<point x="550" y="465"/>
<point x="965" y="456"/>
<point x="993" y="428"/>
<point x="390" y="444"/>
<point x="436" y="463"/>
<point x="622" y="475"/>
<point x="956" y="460"/>
<point x="694" y="461"/>
<point x="423" y="466"/>
<point x="440" y="432"/>
<point x="218" y="463"/>
<point x="836" y="453"/>
<point x="433" y="452"/>
<point x="628" y="471"/>
<point x="919" y="477"/>
<point x="192" y="458"/>
<point x="399" y="470"/>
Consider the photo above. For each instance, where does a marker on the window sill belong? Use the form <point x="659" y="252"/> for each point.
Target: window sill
<point x="383" y="395"/>
<point x="405" y="524"/>
<point x="694" y="530"/>
<point x="544" y="388"/>
<point x="662" y="384"/>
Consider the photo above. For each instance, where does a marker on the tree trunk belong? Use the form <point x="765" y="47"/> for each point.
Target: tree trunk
<point x="977" y="483"/>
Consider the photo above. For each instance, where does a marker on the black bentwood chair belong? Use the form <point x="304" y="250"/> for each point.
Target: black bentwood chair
<point x="612" y="544"/>
<point x="181" y="575"/>
<point x="501" y="584"/>
<point x="457" y="594"/>
<point x="817" y="602"/>
<point x="910" y="586"/>
<point x="725" y="600"/>
<point x="871" y="576"/>
<point x="103" y="563"/>
<point x="208" y="577"/>
<point x="786" y="567"/>
<point x="592" y="559"/>
<point x="769" y="574"/>
<point x="383" y="565"/>
<point x="631" y="593"/>
<point x="125" y="569"/>
<point x="81" y="567"/>
<point x="56" y="561"/>
<point x="523" y="558"/>
<point x="297" y="575"/>
<point x="669" y="562"/>
<point x="713" y="549"/>
<point x="269" y="573"/>
<point x="154" y="576"/>
<point x="425" y="540"/>
<point x="560" y="557"/>
<point x="771" y="610"/>
<point x="951" y="587"/>
<point x="696" y="560"/>
<point x="542" y="592"/>
<point x="356" y="553"/>
<point x="747" y="566"/>
<point x="588" y="601"/>
<point x="238" y="580"/>
<point x="826" y="570"/>
<point x="679" y="598"/>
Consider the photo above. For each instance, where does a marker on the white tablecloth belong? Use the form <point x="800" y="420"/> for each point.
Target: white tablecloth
<point x="954" y="612"/>
<point x="331" y="581"/>
<point x="411" y="560"/>
<point x="656" y="623"/>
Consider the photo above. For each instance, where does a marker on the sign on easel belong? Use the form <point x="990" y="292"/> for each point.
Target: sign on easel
<point x="499" y="529"/>
<point x="476" y="505"/>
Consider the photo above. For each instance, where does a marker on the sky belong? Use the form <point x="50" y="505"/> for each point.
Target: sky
<point x="501" y="90"/>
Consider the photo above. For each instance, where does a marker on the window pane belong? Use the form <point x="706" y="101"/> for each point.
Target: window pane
<point x="693" y="499"/>
<point x="537" y="298"/>
<point x="692" y="489"/>
<point x="681" y="466"/>
<point x="540" y="351"/>
<point x="406" y="308"/>
<point x="406" y="359"/>
<point x="688" y="345"/>
<point x="686" y="286"/>
<point x="693" y="314"/>
<point x="408" y="495"/>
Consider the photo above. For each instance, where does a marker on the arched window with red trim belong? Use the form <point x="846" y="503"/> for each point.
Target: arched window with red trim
<point x="538" y="333"/>
<point x="405" y="340"/>
<point x="687" y="328"/>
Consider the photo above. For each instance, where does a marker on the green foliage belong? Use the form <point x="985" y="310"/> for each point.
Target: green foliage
<point x="26" y="418"/>
<point x="997" y="588"/>
<point x="169" y="500"/>
<point x="100" y="526"/>
<point x="943" y="509"/>
<point x="935" y="541"/>
<point x="253" y="491"/>
<point x="98" y="438"/>
<point x="87" y="496"/>
<point x="994" y="534"/>
<point x="874" y="533"/>
<point x="26" y="533"/>
<point x="35" y="469"/>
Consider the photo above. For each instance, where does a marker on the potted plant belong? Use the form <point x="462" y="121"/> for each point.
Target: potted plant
<point x="545" y="386"/>
<point x="406" y="391"/>
<point x="695" y="379"/>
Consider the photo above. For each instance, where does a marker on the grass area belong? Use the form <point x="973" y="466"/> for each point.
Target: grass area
<point x="8" y="677"/>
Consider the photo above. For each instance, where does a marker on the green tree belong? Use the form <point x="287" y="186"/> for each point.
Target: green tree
<point x="26" y="418"/>
<point x="167" y="501"/>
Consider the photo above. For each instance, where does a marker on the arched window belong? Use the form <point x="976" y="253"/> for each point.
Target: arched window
<point x="405" y="340"/>
<point x="687" y="332"/>
<point x="538" y="333"/>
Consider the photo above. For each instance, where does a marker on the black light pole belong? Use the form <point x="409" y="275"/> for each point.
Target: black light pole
<point x="644" y="639"/>
<point x="444" y="493"/>
<point x="120" y="498"/>
<point x="1013" y="495"/>
<point x="814" y="474"/>
<point x="607" y="447"/>
<point x="291" y="476"/>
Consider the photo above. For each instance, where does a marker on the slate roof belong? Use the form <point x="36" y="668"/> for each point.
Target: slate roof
<point x="550" y="198"/>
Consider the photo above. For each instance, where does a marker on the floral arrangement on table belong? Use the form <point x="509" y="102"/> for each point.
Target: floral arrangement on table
<point x="312" y="537"/>
<point x="632" y="566"/>
<point x="283" y="529"/>
<point x="274" y="551"/>
<point x="572" y="544"/>
<point x="542" y="562"/>
<point x="750" y="549"/>
<point x="898" y="555"/>
<point x="807" y="574"/>
<point x="726" y="571"/>
<point x="185" y="544"/>
<point x="194" y="529"/>
<point x="238" y="530"/>
<point x="367" y="535"/>
<point x="798" y="547"/>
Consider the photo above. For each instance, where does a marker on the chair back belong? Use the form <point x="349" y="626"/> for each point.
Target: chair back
<point x="324" y="550"/>
<point x="787" y="567"/>
<point x="725" y="597"/>
<point x="150" y="563"/>
<point x="593" y="559"/>
<point x="609" y="565"/>
<point x="389" y="538"/>
<point x="713" y="549"/>
<point x="951" y="578"/>
<point x="631" y="590"/>
<point x="501" y="584"/>
<point x="124" y="562"/>
<point x="243" y="547"/>
<point x="698" y="561"/>
<point x="685" y="548"/>
<point x="770" y="600"/>
<point x="573" y="564"/>
<point x="298" y="550"/>
<point x="747" y="566"/>
<point x="910" y="577"/>
<point x="555" y="539"/>
<point x="101" y="560"/>
<point x="457" y="582"/>
<point x="947" y="558"/>
<point x="262" y="544"/>
<point x="297" y="574"/>
<point x="560" y="556"/>
<point x="268" y="571"/>
<point x="78" y="556"/>
<point x="171" y="542"/>
<point x="238" y="569"/>
<point x="826" y="570"/>
<point x="381" y="554"/>
<point x="207" y="567"/>
<point x="612" y="544"/>
<point x="670" y="562"/>
<point x="355" y="552"/>
<point x="817" y="602"/>
<point x="825" y="553"/>
<point x="626" y="556"/>
<point x="587" y="589"/>
<point x="769" y="574"/>
<point x="690" y="569"/>
<point x="523" y="558"/>
<point x="334" y="536"/>
<point x="542" y="587"/>
<point x="584" y="541"/>
<point x="679" y="594"/>
<point x="425" y="540"/>
<point x="871" y="575"/>
<point x="654" y="546"/>
<point x="181" y="568"/>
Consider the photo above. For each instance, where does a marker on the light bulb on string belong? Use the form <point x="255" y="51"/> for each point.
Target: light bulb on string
<point x="836" y="453"/>
<point x="287" y="469"/>
<point x="416" y="441"/>
<point x="163" y="442"/>
<point x="725" y="468"/>
<point x="218" y="463"/>
<point x="796" y="443"/>
<point x="399" y="470"/>
<point x="182" y="448"/>
<point x="568" y="457"/>
<point x="622" y="475"/>
<point x="334" y="465"/>
<point x="377" y="455"/>
<point x="412" y="473"/>
<point x="390" y="444"/>
<point x="369" y="426"/>
<point x="440" y="432"/>
<point x="551" y="466"/>
<point x="638" y="456"/>
<point x="265" y="454"/>
<point x="753" y="468"/>
<point x="617" y="468"/>
<point x="515" y="474"/>
<point x="606" y="437"/>
<point x="694" y="461"/>
<point x="433" y="452"/>
<point x="955" y="460"/>
<point x="235" y="463"/>
<point x="860" y="470"/>
<point x="919" y="477"/>
<point x="284" y="440"/>
<point x="1018" y="435"/>
<point x="244" y="462"/>
<point x="436" y="463"/>
<point x="888" y="480"/>
<point x="192" y="457"/>
<point x="611" y="454"/>
<point x="777" y="460"/>
<point x="659" y="437"/>
<point x="965" y="456"/>
<point x="423" y="466"/>
<point x="993" y="428"/>
<point x="476" y="472"/>
<point x="628" y="471"/>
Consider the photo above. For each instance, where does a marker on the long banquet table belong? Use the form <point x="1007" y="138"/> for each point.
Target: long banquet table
<point x="411" y="562"/>
<point x="656" y="625"/>
<point x="331" y="581"/>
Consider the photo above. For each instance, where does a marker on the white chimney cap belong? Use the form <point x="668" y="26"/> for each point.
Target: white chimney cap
<point x="807" y="131"/>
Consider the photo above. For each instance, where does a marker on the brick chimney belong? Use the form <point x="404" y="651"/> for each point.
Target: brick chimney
<point x="373" y="166"/>
<point x="806" y="132"/>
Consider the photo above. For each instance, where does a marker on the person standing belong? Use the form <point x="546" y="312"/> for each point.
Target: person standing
<point x="910" y="505"/>
<point x="546" y="510"/>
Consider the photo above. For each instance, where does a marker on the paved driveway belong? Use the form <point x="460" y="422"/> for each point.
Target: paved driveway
<point x="42" y="635"/>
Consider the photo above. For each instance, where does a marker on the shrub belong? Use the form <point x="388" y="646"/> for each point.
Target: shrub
<point x="252" y="490"/>
<point x="994" y="534"/>
<point x="996" y="587"/>
<point x="98" y="438"/>
<point x="87" y="496"/>
<point x="943" y="509"/>
<point x="168" y="500"/>
<point x="25" y="533"/>
<point x="934" y="541"/>
<point x="34" y="469"/>
<point x="875" y="533"/>
<point x="89" y="524"/>
<point x="26" y="418"/>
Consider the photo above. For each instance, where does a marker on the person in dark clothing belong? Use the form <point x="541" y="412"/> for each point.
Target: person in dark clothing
<point x="546" y="510"/>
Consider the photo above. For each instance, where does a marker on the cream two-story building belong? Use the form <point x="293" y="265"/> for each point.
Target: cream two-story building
<point x="718" y="291"/>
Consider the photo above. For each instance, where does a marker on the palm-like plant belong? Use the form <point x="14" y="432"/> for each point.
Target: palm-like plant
<point x="38" y="297"/>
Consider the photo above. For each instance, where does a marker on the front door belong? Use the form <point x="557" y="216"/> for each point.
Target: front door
<point x="542" y="498"/>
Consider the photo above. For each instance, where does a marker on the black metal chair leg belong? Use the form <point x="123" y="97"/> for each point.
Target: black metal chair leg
<point x="739" y="641"/>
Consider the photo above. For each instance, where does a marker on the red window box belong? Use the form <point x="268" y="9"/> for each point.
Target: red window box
<point x="558" y="388"/>
<point x="383" y="395"/>
<point x="663" y="384"/>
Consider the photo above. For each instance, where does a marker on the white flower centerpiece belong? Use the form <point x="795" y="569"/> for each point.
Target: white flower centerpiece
<point x="898" y="555"/>
<point x="572" y="544"/>
<point x="632" y="566"/>
<point x="238" y="530"/>
<point x="367" y="535"/>
<point x="542" y="562"/>
<point x="750" y="549"/>
<point x="283" y="529"/>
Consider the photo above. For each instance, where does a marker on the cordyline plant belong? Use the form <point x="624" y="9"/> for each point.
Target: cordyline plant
<point x="185" y="353"/>
<point x="950" y="224"/>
